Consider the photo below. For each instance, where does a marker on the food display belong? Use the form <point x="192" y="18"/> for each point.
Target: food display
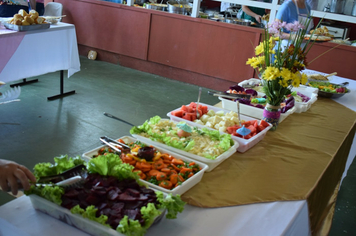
<point x="160" y="169"/>
<point x="321" y="31"/>
<point x="257" y="98"/>
<point x="205" y="145"/>
<point x="327" y="89"/>
<point x="226" y="121"/>
<point x="317" y="77"/>
<point x="24" y="18"/>
<point x="109" y="198"/>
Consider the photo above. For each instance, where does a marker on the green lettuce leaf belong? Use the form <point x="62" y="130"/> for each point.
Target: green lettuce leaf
<point x="130" y="227"/>
<point x="90" y="213"/>
<point x="51" y="193"/>
<point x="149" y="214"/>
<point x="60" y="165"/>
<point x="111" y="165"/>
<point x="173" y="204"/>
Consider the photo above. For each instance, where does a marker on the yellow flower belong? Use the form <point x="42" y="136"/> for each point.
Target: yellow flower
<point x="259" y="49"/>
<point x="271" y="73"/>
<point x="253" y="62"/>
<point x="285" y="74"/>
<point x="296" y="79"/>
<point x="283" y="83"/>
<point x="304" y="79"/>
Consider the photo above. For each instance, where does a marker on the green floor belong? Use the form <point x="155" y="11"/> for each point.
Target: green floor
<point x="36" y="130"/>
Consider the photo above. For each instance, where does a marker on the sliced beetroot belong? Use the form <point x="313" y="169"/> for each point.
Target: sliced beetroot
<point x="133" y="192"/>
<point x="126" y="197"/>
<point x="92" y="199"/>
<point x="113" y="195"/>
<point x="135" y="205"/>
<point x="72" y="193"/>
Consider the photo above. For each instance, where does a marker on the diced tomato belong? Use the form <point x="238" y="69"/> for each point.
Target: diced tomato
<point x="252" y="128"/>
<point x="193" y="105"/>
<point x="247" y="136"/>
<point x="264" y="123"/>
<point x="260" y="128"/>
<point x="184" y="108"/>
<point x="255" y="124"/>
<point x="204" y="109"/>
<point x="232" y="129"/>
<point x="179" y="113"/>
<point x="247" y="123"/>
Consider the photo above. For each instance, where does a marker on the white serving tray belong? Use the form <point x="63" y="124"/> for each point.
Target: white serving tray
<point x="185" y="186"/>
<point x="63" y="214"/>
<point x="312" y="93"/>
<point x="250" y="110"/>
<point x="244" y="144"/>
<point x="211" y="163"/>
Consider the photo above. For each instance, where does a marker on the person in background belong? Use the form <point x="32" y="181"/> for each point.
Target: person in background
<point x="11" y="174"/>
<point x="253" y="14"/>
<point x="291" y="11"/>
<point x="12" y="7"/>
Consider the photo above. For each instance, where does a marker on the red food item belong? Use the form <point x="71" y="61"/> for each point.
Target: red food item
<point x="190" y="112"/>
<point x="179" y="113"/>
<point x="111" y="197"/>
<point x="252" y="125"/>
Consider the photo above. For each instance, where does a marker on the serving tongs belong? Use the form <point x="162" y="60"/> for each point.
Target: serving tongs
<point x="113" y="144"/>
<point x="229" y="95"/>
<point x="79" y="171"/>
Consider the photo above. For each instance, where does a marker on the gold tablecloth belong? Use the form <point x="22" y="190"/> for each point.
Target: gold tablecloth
<point x="303" y="159"/>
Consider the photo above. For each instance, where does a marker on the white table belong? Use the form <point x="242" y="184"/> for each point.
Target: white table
<point x="32" y="53"/>
<point x="275" y="218"/>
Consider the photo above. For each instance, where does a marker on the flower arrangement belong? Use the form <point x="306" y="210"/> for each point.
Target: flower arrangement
<point x="279" y="63"/>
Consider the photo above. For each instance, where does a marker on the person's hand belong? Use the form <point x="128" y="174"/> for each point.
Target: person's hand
<point x="258" y="18"/>
<point x="11" y="173"/>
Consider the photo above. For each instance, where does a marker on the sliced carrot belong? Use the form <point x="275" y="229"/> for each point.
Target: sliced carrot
<point x="167" y="162"/>
<point x="145" y="165"/>
<point x="166" y="184"/>
<point x="166" y="156"/>
<point x="166" y="170"/>
<point x="175" y="167"/>
<point x="192" y="163"/>
<point x="190" y="175"/>
<point x="161" y="176"/>
<point x="158" y="165"/>
<point x="177" y="162"/>
<point x="173" y="178"/>
<point x="185" y="170"/>
<point x="181" y="178"/>
<point x="153" y="172"/>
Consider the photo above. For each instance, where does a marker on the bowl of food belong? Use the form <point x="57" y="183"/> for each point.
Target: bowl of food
<point x="156" y="6"/>
<point x="330" y="90"/>
<point x="179" y="7"/>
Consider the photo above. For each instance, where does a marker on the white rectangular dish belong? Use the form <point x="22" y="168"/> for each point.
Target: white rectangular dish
<point x="250" y="110"/>
<point x="185" y="186"/>
<point x="211" y="163"/>
<point x="244" y="144"/>
<point x="300" y="107"/>
<point x="89" y="226"/>
<point x="310" y="92"/>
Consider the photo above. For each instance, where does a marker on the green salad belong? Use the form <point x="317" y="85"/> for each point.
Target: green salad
<point x="202" y="142"/>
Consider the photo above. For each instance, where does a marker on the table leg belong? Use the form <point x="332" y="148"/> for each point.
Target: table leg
<point x="61" y="90"/>
<point x="24" y="82"/>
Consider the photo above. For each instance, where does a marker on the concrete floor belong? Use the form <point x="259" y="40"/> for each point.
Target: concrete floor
<point x="36" y="130"/>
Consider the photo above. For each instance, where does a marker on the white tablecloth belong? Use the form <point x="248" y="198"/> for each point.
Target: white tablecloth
<point x="33" y="53"/>
<point x="276" y="218"/>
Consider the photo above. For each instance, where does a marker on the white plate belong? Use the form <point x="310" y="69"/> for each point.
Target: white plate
<point x="185" y="186"/>
<point x="244" y="144"/>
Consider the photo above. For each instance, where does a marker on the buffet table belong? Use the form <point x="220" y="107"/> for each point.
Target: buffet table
<point x="33" y="53"/>
<point x="272" y="218"/>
